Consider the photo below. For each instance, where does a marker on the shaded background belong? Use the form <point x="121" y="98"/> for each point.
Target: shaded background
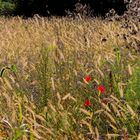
<point x="28" y="8"/>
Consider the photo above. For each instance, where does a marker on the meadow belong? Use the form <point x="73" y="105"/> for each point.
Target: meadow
<point x="70" y="79"/>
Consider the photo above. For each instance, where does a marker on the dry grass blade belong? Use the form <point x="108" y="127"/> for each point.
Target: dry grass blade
<point x="113" y="127"/>
<point x="52" y="107"/>
<point x="2" y="136"/>
<point x="88" y="113"/>
<point x="88" y="125"/>
<point x="110" y="136"/>
<point x="120" y="90"/>
<point x="42" y="119"/>
<point x="123" y="115"/>
<point x="31" y="122"/>
<point x="72" y="98"/>
<point x="129" y="69"/>
<point x="8" y="83"/>
<point x="105" y="107"/>
<point x="8" y="99"/>
<point x="53" y="85"/>
<point x="110" y="117"/>
<point x="121" y="107"/>
<point x="30" y="110"/>
<point x="35" y="133"/>
<point x="97" y="133"/>
<point x="66" y="96"/>
<point x="25" y="137"/>
<point x="114" y="98"/>
<point x="98" y="111"/>
<point x="137" y="38"/>
<point x="59" y="98"/>
<point x="131" y="111"/>
<point x="138" y="137"/>
<point x="115" y="109"/>
<point x="61" y="55"/>
<point x="7" y="123"/>
<point x="97" y="81"/>
<point x="101" y="73"/>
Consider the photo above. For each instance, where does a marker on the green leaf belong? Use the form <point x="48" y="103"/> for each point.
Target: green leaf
<point x="20" y="112"/>
<point x="18" y="134"/>
<point x="14" y="68"/>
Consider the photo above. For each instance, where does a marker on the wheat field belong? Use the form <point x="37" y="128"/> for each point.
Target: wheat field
<point x="43" y="87"/>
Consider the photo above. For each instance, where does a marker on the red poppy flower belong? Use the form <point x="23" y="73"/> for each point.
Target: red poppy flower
<point x="87" y="103"/>
<point x="101" y="89"/>
<point x="87" y="78"/>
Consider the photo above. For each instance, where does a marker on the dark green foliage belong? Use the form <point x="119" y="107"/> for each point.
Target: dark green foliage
<point x="7" y="7"/>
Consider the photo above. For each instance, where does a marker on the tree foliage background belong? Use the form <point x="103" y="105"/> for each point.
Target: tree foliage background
<point x="57" y="7"/>
<point x="7" y="7"/>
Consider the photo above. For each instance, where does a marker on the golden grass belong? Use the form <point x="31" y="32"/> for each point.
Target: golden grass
<point x="52" y="58"/>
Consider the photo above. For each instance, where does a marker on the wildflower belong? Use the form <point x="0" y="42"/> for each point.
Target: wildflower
<point x="87" y="78"/>
<point x="87" y="103"/>
<point x="101" y="89"/>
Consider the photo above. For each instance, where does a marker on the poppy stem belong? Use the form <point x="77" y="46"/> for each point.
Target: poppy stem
<point x="99" y="94"/>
